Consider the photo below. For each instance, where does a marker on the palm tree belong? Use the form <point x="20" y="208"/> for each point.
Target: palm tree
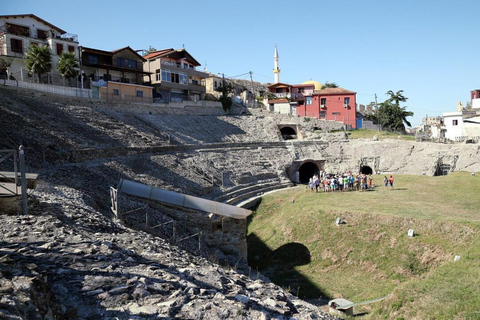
<point x="391" y="116"/>
<point x="67" y="65"/>
<point x="397" y="97"/>
<point x="38" y="60"/>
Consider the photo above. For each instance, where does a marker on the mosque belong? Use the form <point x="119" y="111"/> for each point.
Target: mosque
<point x="311" y="99"/>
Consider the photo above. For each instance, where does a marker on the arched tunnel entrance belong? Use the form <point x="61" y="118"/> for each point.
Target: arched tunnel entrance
<point x="366" y="170"/>
<point x="288" y="133"/>
<point x="307" y="170"/>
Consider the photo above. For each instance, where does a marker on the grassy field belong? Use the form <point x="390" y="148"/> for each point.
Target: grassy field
<point x="293" y="239"/>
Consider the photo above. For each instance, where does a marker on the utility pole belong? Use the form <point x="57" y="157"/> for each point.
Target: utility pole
<point x="253" y="90"/>
<point x="376" y="110"/>
<point x="23" y="178"/>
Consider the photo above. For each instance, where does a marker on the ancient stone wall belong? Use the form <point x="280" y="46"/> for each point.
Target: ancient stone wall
<point x="226" y="238"/>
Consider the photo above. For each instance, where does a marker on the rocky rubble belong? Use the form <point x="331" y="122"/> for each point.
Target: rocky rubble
<point x="67" y="261"/>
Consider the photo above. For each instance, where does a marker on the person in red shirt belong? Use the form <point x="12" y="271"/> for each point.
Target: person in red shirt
<point x="390" y="181"/>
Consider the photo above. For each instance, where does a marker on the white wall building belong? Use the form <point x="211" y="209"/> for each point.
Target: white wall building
<point x="19" y="32"/>
<point x="461" y="125"/>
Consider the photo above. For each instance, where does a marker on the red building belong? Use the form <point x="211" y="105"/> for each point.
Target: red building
<point x="336" y="104"/>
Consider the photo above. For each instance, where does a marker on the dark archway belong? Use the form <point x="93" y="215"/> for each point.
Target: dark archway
<point x="366" y="170"/>
<point x="307" y="170"/>
<point x="288" y="133"/>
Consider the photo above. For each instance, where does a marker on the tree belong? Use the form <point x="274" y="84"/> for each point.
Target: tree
<point x="329" y="85"/>
<point x="38" y="60"/>
<point x="391" y="116"/>
<point x="68" y="65"/>
<point x="225" y="89"/>
<point x="3" y="69"/>
<point x="396" y="97"/>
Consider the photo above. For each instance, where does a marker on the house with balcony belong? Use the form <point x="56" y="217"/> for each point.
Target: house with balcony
<point x="115" y="75"/>
<point x="173" y="75"/>
<point x="280" y="98"/>
<point x="18" y="32"/>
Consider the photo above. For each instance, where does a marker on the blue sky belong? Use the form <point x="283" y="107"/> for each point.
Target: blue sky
<point x="429" y="49"/>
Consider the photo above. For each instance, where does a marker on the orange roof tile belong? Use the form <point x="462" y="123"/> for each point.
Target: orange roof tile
<point x="334" y="91"/>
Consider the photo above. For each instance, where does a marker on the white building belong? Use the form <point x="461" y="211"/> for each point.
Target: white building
<point x="453" y="122"/>
<point x="461" y="125"/>
<point x="19" y="32"/>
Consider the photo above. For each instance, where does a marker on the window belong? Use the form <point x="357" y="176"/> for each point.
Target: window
<point x="323" y="102"/>
<point x="121" y="62"/>
<point x="59" y="48"/>
<point x="279" y="90"/>
<point x="323" y="114"/>
<point x="16" y="45"/>
<point x="216" y="84"/>
<point x="185" y="65"/>
<point x="308" y="101"/>
<point x="71" y="49"/>
<point x="132" y="64"/>
<point x="454" y="122"/>
<point x="346" y="102"/>
<point x="92" y="59"/>
<point x="175" y="77"/>
<point x="158" y="77"/>
<point x="42" y="34"/>
<point x="166" y="75"/>
<point x="140" y="93"/>
<point x="183" y="78"/>
<point x="116" y="92"/>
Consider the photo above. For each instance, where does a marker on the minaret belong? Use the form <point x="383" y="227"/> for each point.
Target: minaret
<point x="276" y="70"/>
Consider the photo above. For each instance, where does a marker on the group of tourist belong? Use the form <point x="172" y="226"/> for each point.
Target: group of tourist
<point x="344" y="182"/>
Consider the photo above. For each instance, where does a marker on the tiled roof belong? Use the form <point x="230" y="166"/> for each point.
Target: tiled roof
<point x="33" y="17"/>
<point x="174" y="54"/>
<point x="278" y="100"/>
<point x="279" y="84"/>
<point x="157" y="53"/>
<point x="334" y="91"/>
<point x="131" y="50"/>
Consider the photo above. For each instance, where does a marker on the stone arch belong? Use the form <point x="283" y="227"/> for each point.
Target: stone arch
<point x="307" y="170"/>
<point x="301" y="171"/>
<point x="366" y="170"/>
<point x="288" y="133"/>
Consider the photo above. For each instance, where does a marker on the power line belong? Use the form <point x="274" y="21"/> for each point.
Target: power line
<point x="243" y="74"/>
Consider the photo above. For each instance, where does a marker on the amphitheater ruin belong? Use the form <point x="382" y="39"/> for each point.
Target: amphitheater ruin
<point x="198" y="151"/>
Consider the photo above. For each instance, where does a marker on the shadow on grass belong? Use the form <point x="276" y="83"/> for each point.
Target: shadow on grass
<point x="279" y="266"/>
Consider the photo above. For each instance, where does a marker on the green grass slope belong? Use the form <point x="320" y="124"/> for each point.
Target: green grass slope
<point x="294" y="240"/>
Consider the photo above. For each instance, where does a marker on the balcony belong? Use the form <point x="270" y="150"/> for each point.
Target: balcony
<point x="179" y="68"/>
<point x="283" y="95"/>
<point x="196" y="88"/>
<point x="115" y="79"/>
